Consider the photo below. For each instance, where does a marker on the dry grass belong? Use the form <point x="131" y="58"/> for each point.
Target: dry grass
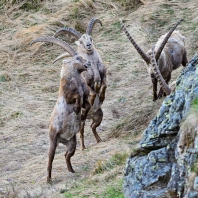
<point x="29" y="84"/>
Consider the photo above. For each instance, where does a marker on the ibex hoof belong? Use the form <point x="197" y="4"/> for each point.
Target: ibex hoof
<point x="83" y="148"/>
<point x="49" y="180"/>
<point x="71" y="170"/>
<point x="154" y="99"/>
<point x="99" y="140"/>
<point x="101" y="100"/>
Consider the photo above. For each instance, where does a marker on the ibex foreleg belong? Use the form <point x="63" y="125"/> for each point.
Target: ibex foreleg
<point x="92" y="96"/>
<point x="154" y="81"/>
<point x="86" y="105"/>
<point x="102" y="92"/>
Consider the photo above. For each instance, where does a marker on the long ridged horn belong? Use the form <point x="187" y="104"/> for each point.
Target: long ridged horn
<point x="66" y="30"/>
<point x="56" y="41"/>
<point x="158" y="74"/>
<point x="61" y="56"/>
<point x="91" y="24"/>
<point x="159" y="51"/>
<point x="140" y="51"/>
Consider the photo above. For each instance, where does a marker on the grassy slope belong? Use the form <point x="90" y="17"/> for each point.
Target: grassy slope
<point x="29" y="84"/>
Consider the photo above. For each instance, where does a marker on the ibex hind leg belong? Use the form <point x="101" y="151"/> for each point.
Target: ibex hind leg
<point x="51" y="154"/>
<point x="82" y="135"/>
<point x="71" y="148"/>
<point x="154" y="82"/>
<point x="97" y="119"/>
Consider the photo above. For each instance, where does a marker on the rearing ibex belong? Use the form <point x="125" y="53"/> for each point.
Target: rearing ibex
<point x="170" y="53"/>
<point x="95" y="75"/>
<point x="73" y="96"/>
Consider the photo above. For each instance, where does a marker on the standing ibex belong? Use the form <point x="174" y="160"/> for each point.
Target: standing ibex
<point x="95" y="75"/>
<point x="170" y="53"/>
<point x="73" y="95"/>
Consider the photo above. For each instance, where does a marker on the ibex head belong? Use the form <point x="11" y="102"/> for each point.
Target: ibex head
<point x="84" y="41"/>
<point x="78" y="62"/>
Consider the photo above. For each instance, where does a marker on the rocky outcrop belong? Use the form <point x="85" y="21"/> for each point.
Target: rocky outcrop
<point x="171" y="145"/>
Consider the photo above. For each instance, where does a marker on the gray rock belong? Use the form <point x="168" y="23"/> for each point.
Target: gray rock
<point x="164" y="171"/>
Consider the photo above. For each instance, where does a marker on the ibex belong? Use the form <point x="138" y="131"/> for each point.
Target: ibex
<point x="73" y="95"/>
<point x="170" y="53"/>
<point x="95" y="75"/>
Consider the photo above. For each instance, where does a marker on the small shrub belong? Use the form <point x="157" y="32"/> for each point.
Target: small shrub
<point x="117" y="160"/>
<point x="4" y="77"/>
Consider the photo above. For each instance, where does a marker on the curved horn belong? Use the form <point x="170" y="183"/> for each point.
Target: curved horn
<point x="158" y="75"/>
<point x="166" y="39"/>
<point x="140" y="51"/>
<point x="56" y="41"/>
<point x="62" y="56"/>
<point x="66" y="30"/>
<point x="91" y="24"/>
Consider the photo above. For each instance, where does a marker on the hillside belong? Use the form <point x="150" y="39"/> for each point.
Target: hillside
<point x="29" y="88"/>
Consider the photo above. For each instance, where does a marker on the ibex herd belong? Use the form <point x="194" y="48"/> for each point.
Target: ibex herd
<point x="83" y="83"/>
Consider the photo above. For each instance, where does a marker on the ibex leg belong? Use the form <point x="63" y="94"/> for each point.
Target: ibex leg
<point x="97" y="118"/>
<point x="77" y="106"/>
<point x="71" y="148"/>
<point x="102" y="92"/>
<point x="92" y="96"/>
<point x="86" y="107"/>
<point x="82" y="135"/>
<point x="154" y="81"/>
<point x="52" y="149"/>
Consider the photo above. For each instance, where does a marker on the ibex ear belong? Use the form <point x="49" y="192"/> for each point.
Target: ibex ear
<point x="184" y="38"/>
<point x="77" y="43"/>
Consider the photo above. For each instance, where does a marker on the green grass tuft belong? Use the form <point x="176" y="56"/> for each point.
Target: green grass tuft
<point x="116" y="160"/>
<point x="195" y="104"/>
<point x="113" y="191"/>
<point x="194" y="168"/>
